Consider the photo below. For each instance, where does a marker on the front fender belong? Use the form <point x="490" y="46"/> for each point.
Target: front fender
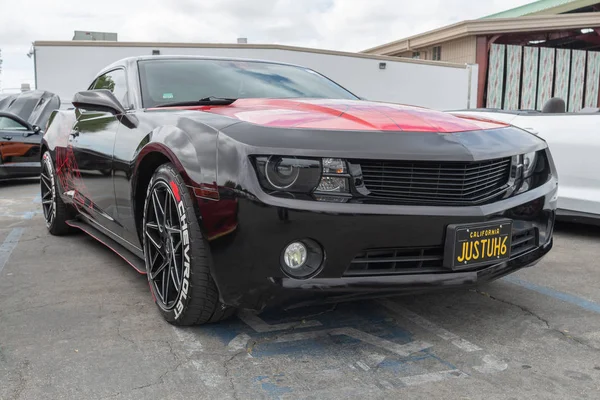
<point x="56" y="133"/>
<point x="194" y="155"/>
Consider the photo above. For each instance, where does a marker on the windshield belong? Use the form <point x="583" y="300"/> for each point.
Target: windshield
<point x="174" y="81"/>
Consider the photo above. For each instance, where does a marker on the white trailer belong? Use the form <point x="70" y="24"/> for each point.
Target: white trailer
<point x="69" y="66"/>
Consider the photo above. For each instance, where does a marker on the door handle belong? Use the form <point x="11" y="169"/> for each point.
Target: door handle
<point x="7" y="137"/>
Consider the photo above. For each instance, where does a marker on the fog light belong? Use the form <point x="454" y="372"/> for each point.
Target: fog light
<point x="332" y="184"/>
<point x="302" y="259"/>
<point x="295" y="255"/>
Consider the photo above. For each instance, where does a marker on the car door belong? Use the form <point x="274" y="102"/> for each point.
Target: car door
<point x="92" y="140"/>
<point x="19" y="144"/>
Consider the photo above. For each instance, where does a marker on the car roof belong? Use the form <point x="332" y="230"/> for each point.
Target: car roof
<point x="131" y="61"/>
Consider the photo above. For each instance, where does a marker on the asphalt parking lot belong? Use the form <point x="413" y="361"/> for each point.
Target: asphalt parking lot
<point x="76" y="322"/>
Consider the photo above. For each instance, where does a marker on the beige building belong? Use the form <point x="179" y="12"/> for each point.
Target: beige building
<point x="561" y="24"/>
<point x="457" y="43"/>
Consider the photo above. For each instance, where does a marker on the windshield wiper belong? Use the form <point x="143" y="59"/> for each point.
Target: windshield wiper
<point x="206" y="101"/>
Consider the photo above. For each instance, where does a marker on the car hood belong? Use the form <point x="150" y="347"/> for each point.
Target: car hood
<point x="354" y="115"/>
<point x="33" y="106"/>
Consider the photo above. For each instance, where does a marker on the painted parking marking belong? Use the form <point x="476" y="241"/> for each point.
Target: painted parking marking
<point x="442" y="333"/>
<point x="363" y="366"/>
<point x="403" y="350"/>
<point x="257" y="323"/>
<point x="362" y="342"/>
<point x="566" y="297"/>
<point x="239" y="342"/>
<point x="432" y="377"/>
<point x="9" y="245"/>
<point x="490" y="365"/>
<point x="11" y="207"/>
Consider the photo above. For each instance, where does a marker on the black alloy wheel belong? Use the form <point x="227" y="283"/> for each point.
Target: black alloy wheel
<point x="56" y="212"/>
<point x="176" y="253"/>
<point x="163" y="244"/>
<point x="48" y="193"/>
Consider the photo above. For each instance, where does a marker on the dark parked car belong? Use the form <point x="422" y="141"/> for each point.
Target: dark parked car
<point x="22" y="118"/>
<point x="241" y="183"/>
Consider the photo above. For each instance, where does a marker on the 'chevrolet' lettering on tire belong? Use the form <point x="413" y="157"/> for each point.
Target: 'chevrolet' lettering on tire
<point x="185" y="284"/>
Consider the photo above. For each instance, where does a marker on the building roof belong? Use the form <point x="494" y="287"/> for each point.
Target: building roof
<point x="158" y="45"/>
<point x="535" y="23"/>
<point x="545" y="7"/>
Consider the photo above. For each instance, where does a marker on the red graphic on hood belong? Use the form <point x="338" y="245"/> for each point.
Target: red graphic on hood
<point x="345" y="115"/>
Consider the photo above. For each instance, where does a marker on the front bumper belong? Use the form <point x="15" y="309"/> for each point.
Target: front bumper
<point x="246" y="256"/>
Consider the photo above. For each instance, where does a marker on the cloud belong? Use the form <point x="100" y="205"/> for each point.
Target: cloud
<point x="350" y="25"/>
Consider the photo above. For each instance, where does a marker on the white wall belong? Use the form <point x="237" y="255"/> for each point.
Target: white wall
<point x="67" y="69"/>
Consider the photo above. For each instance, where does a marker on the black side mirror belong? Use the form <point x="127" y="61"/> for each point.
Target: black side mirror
<point x="33" y="130"/>
<point x="104" y="101"/>
<point x="98" y="100"/>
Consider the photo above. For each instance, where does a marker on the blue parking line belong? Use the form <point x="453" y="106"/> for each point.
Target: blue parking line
<point x="9" y="245"/>
<point x="566" y="297"/>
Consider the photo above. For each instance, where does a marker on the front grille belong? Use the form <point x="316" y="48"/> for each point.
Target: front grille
<point x="436" y="183"/>
<point x="396" y="261"/>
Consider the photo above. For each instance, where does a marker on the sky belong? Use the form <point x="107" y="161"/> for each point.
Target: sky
<point x="347" y="25"/>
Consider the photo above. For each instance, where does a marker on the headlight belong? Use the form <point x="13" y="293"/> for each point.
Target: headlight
<point x="290" y="174"/>
<point x="529" y="170"/>
<point x="529" y="161"/>
<point x="327" y="178"/>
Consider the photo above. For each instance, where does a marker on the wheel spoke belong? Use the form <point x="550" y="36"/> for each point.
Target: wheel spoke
<point x="154" y="242"/>
<point x="175" y="279"/>
<point x="156" y="205"/>
<point x="160" y="206"/>
<point x="47" y="201"/>
<point x="173" y="230"/>
<point x="166" y="283"/>
<point x="176" y="246"/>
<point x="46" y="183"/>
<point x="159" y="293"/>
<point x="160" y="269"/>
<point x="47" y="194"/>
<point x="167" y="210"/>
<point x="175" y="266"/>
<point x="152" y="225"/>
<point x="153" y="261"/>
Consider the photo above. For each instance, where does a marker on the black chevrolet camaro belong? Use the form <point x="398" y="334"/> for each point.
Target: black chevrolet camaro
<point x="240" y="184"/>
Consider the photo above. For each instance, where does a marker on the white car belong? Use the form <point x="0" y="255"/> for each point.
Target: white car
<point x="574" y="140"/>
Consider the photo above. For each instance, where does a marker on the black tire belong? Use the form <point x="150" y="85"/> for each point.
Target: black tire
<point x="56" y="212"/>
<point x="184" y="292"/>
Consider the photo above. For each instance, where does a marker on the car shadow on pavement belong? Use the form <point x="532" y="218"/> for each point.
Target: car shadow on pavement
<point x="582" y="230"/>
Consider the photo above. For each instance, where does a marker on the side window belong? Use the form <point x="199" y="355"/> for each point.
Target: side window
<point x="116" y="83"/>
<point x="9" y="124"/>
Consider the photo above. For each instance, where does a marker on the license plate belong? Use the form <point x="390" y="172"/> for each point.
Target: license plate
<point x="470" y="245"/>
